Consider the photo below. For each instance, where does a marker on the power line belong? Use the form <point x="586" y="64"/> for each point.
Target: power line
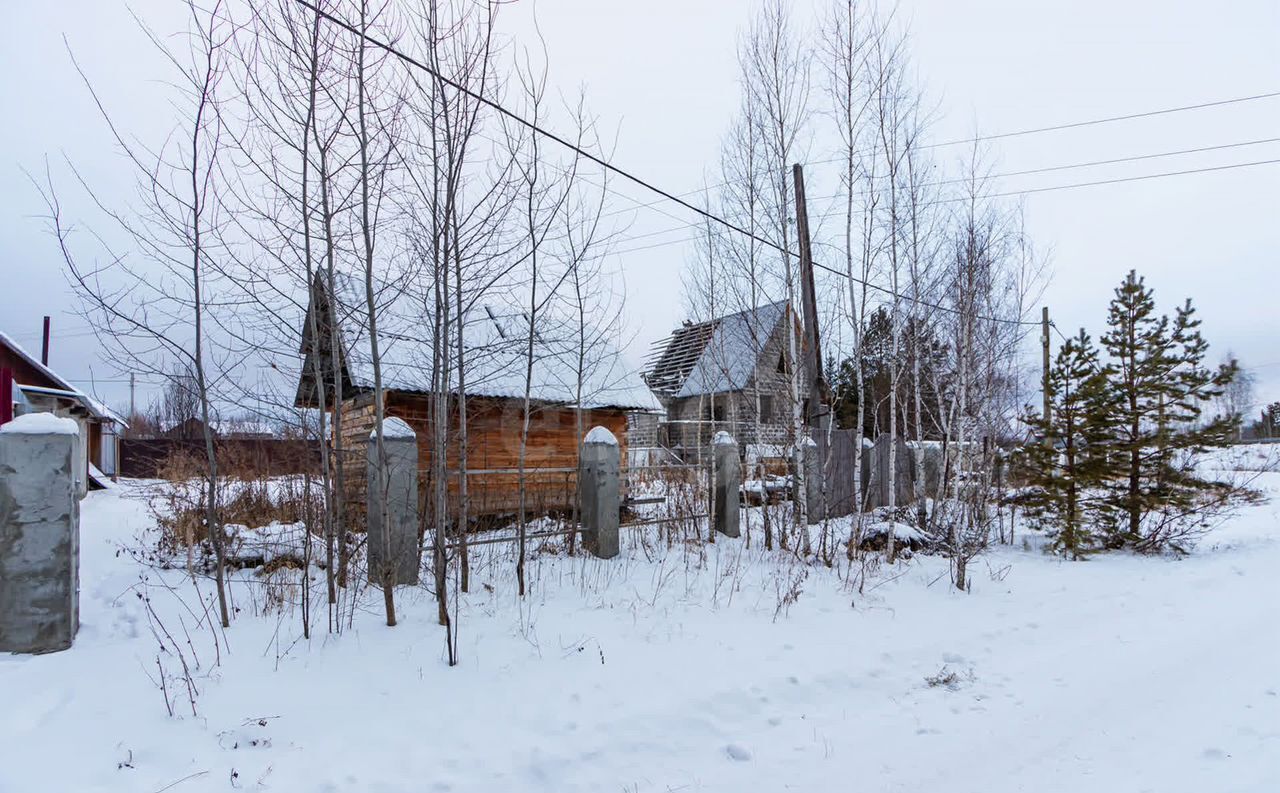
<point x="598" y="160"/>
<point x="1134" y="158"/>
<point x="525" y="122"/>
<point x="1090" y="122"/>
<point x="728" y="224"/>
<point x="1110" y="119"/>
<point x="938" y="307"/>
<point x="1049" y="169"/>
<point x="1015" y="193"/>
<point x="1094" y="163"/>
<point x="1037" y="130"/>
<point x="1124" y="179"/>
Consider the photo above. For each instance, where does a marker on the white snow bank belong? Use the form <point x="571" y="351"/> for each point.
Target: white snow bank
<point x="723" y="438"/>
<point x="600" y="435"/>
<point x="901" y="531"/>
<point x="271" y="542"/>
<point x="394" y="428"/>
<point x="845" y="683"/>
<point x="41" y="424"/>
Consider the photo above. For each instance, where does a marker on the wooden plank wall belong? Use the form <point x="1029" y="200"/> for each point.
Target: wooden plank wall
<point x="493" y="430"/>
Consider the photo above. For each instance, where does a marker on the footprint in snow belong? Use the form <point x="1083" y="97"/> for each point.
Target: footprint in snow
<point x="735" y="752"/>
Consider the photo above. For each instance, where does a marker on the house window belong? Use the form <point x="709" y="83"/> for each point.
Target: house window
<point x="766" y="408"/>
<point x="715" y="412"/>
<point x="783" y="368"/>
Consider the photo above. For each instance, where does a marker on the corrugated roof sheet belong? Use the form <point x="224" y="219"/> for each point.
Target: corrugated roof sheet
<point x="715" y="356"/>
<point x="496" y="338"/>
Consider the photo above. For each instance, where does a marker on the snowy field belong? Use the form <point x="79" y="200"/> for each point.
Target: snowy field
<point x="1118" y="674"/>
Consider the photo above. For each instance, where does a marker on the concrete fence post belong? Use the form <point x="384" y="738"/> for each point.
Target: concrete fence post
<point x="599" y="484"/>
<point x="39" y="534"/>
<point x="726" y="484"/>
<point x="393" y="536"/>
<point x="814" y="505"/>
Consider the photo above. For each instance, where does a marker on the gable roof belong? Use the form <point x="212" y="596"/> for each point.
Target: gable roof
<point x="53" y="384"/>
<point x="715" y="356"/>
<point x="496" y="337"/>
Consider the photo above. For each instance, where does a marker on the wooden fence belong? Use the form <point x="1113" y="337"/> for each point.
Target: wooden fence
<point x="837" y="456"/>
<point x="145" y="458"/>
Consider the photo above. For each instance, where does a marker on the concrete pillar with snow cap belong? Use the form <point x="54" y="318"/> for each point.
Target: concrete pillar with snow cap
<point x="393" y="534"/>
<point x="39" y="534"/>
<point x="726" y="482"/>
<point x="599" y="483"/>
<point x="813" y="484"/>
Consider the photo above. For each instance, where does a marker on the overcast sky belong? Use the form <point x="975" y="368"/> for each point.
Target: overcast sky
<point x="662" y="75"/>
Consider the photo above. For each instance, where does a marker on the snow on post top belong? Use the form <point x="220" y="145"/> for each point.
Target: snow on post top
<point x="808" y="441"/>
<point x="393" y="428"/>
<point x="722" y="438"/>
<point x="41" y="424"/>
<point x="602" y="436"/>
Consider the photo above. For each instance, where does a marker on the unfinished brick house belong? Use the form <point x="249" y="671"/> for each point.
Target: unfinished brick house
<point x="730" y="373"/>
<point x="496" y="341"/>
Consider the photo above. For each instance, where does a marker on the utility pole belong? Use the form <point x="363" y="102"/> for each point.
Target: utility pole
<point x="44" y="346"/>
<point x="1044" y="343"/>
<point x="132" y="412"/>
<point x="809" y="304"/>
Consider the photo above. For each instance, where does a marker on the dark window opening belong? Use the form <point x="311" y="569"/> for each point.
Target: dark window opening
<point x="766" y="408"/>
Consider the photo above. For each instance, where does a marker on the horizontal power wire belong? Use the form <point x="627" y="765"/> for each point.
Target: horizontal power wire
<point x="404" y="57"/>
<point x="1123" y="179"/>
<point x="579" y="150"/>
<point x="961" y="180"/>
<point x="1018" y="133"/>
<point x="936" y="306"/>
<point x="1051" y="188"/>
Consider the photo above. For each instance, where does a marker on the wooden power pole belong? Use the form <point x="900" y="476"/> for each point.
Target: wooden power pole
<point x="44" y="344"/>
<point x="1044" y="343"/>
<point x="809" y="303"/>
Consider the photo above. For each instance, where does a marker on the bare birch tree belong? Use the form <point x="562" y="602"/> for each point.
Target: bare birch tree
<point x="153" y="303"/>
<point x="375" y="133"/>
<point x="775" y="77"/>
<point x="847" y="43"/>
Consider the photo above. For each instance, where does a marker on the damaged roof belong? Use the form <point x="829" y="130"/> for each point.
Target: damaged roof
<point x="715" y="356"/>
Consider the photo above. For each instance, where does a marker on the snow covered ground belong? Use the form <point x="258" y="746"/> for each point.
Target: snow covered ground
<point x="1117" y="674"/>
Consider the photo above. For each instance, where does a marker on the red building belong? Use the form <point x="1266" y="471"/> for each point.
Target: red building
<point x="29" y="386"/>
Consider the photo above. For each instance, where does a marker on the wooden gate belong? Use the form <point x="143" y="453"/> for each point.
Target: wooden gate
<point x="836" y="453"/>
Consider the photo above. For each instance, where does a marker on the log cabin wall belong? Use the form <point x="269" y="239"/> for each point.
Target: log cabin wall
<point x="493" y="444"/>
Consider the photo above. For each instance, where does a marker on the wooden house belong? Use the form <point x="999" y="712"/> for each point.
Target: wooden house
<point x="32" y="387"/>
<point x="496" y="342"/>
<point x="730" y="373"/>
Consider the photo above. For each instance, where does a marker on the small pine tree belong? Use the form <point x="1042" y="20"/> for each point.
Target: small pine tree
<point x="1069" y="463"/>
<point x="1160" y="386"/>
